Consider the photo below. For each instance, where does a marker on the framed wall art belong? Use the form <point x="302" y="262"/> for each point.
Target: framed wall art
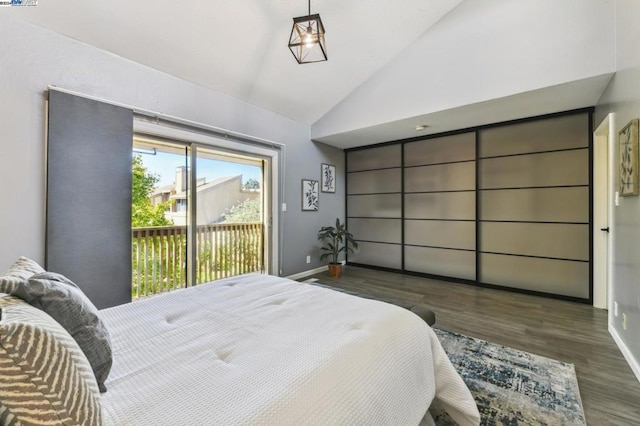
<point x="328" y="178"/>
<point x="628" y="148"/>
<point x="310" y="195"/>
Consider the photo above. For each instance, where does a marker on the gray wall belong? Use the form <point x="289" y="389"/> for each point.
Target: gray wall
<point x="33" y="58"/>
<point x="301" y="228"/>
<point x="622" y="97"/>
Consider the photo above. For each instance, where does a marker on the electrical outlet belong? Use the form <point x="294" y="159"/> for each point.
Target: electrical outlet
<point x="615" y="309"/>
<point x="308" y="259"/>
<point x="624" y="321"/>
<point x="284" y="207"/>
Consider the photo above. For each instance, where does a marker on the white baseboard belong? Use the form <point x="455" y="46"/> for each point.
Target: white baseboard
<point x="307" y="273"/>
<point x="633" y="363"/>
<point x="310" y="272"/>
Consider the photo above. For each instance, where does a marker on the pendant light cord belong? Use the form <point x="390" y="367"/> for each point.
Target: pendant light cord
<point x="309" y="7"/>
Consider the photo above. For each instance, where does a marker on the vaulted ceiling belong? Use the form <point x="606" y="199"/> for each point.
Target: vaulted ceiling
<point x="239" y="48"/>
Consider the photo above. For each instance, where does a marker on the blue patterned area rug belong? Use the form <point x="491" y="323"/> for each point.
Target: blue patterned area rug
<point x="512" y="387"/>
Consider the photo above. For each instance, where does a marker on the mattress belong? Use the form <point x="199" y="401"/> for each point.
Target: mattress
<point x="264" y="350"/>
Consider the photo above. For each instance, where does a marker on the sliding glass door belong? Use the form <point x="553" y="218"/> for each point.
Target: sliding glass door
<point x="229" y="214"/>
<point x="198" y="214"/>
<point x="159" y="216"/>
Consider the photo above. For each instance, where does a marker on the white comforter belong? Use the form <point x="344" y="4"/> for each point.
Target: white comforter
<point x="264" y="350"/>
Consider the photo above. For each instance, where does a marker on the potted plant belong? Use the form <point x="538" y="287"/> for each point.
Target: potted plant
<point x="336" y="239"/>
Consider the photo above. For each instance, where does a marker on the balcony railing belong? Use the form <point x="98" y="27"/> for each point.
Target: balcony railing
<point x="159" y="255"/>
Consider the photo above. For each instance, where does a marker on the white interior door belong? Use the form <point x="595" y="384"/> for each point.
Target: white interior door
<point x="602" y="178"/>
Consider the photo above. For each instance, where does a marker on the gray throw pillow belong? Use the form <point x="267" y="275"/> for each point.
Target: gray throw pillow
<point x="71" y="308"/>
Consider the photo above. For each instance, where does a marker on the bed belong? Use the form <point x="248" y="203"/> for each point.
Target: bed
<point x="258" y="349"/>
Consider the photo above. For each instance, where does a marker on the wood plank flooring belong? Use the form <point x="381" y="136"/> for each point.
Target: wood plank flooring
<point x="567" y="331"/>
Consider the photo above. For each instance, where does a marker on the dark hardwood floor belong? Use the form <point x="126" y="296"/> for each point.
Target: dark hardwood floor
<point x="567" y="331"/>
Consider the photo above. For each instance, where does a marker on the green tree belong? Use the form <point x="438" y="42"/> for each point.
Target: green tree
<point x="245" y="211"/>
<point x="251" y="184"/>
<point x="143" y="212"/>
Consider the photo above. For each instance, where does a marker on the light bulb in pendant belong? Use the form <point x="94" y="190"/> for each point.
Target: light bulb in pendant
<point x="308" y="38"/>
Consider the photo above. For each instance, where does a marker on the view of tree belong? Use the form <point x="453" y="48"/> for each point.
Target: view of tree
<point x="143" y="212"/>
<point x="251" y="184"/>
<point x="245" y="211"/>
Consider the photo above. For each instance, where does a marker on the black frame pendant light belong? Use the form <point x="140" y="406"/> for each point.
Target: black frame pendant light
<point x="307" y="41"/>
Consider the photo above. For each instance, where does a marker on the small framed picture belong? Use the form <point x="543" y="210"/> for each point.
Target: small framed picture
<point x="628" y="147"/>
<point x="328" y="176"/>
<point x="310" y="196"/>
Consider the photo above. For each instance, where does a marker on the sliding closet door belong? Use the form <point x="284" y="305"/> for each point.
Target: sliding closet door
<point x="507" y="205"/>
<point x="535" y="204"/>
<point x="88" y="225"/>
<point x="374" y="205"/>
<point x="440" y="204"/>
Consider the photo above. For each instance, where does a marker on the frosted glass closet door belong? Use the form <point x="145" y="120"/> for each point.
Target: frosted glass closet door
<point x="374" y="205"/>
<point x="439" y="206"/>
<point x="534" y="206"/>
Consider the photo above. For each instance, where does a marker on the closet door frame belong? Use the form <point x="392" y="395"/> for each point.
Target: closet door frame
<point x="478" y="237"/>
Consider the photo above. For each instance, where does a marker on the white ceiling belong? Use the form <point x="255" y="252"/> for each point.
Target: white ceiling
<point x="564" y="97"/>
<point x="239" y="47"/>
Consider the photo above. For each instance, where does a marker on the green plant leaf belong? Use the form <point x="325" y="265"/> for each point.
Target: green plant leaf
<point x="336" y="240"/>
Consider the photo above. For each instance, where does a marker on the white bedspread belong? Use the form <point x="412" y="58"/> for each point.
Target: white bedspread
<point x="259" y="349"/>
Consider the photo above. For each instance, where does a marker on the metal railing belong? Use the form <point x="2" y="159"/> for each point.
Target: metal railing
<point x="159" y="255"/>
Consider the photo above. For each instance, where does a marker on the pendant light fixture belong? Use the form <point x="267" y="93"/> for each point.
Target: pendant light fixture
<point x="307" y="39"/>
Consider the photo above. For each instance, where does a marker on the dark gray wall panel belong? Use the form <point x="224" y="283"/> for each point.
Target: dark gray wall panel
<point x="88" y="229"/>
<point x="440" y="233"/>
<point x="571" y="131"/>
<point x="443" y="177"/>
<point x="377" y="181"/>
<point x="564" y="241"/>
<point x="378" y="254"/>
<point x="448" y="263"/>
<point x="380" y="230"/>
<point x="536" y="170"/>
<point x="563" y="277"/>
<point x="374" y="158"/>
<point x="536" y="205"/>
<point x="440" y="205"/>
<point x="379" y="205"/>
<point x="441" y="150"/>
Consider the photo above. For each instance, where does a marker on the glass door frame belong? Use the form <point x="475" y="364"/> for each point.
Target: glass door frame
<point x="271" y="157"/>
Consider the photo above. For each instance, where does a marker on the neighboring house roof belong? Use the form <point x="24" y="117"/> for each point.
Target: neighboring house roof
<point x="163" y="189"/>
<point x="206" y="186"/>
<point x="218" y="182"/>
<point x="180" y="195"/>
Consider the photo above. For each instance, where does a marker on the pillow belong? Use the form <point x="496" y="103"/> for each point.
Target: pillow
<point x="21" y="270"/>
<point x="34" y="350"/>
<point x="69" y="306"/>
